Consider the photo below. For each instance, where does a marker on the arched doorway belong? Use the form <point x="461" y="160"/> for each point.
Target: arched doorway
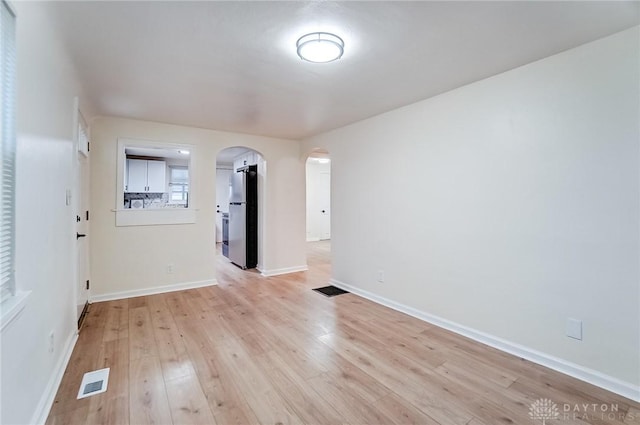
<point x="240" y="182"/>
<point x="318" y="208"/>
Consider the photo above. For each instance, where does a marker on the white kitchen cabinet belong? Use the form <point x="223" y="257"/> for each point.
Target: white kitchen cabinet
<point x="145" y="176"/>
<point x="248" y="158"/>
<point x="136" y="175"/>
<point x="156" y="176"/>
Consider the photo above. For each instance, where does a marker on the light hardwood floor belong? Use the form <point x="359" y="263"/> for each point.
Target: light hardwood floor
<point x="257" y="350"/>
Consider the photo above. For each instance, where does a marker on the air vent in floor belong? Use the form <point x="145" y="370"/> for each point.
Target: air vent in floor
<point x="94" y="383"/>
<point x="331" y="291"/>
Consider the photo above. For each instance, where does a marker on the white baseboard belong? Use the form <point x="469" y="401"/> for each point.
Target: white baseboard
<point x="313" y="239"/>
<point x="152" y="291"/>
<point x="599" y="379"/>
<point x="276" y="272"/>
<point x="46" y="401"/>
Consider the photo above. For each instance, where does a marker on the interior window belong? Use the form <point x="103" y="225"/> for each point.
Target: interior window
<point x="156" y="183"/>
<point x="155" y="178"/>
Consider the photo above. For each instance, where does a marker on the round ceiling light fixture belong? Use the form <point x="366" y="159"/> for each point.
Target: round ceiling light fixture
<point x="320" y="47"/>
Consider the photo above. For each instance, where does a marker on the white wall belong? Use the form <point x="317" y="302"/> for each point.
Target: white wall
<point x="515" y="205"/>
<point x="46" y="86"/>
<point x="136" y="258"/>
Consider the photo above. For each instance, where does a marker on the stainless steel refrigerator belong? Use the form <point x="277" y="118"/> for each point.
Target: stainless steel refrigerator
<point x="243" y="217"/>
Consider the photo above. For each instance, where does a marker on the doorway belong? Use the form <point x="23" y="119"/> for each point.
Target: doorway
<point x="230" y="163"/>
<point x="318" y="171"/>
<point x="81" y="209"/>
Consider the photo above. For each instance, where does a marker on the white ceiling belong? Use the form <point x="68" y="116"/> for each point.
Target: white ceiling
<point x="233" y="66"/>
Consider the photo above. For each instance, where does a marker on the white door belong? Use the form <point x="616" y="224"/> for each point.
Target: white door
<point x="318" y="200"/>
<point x="222" y="199"/>
<point x="324" y="205"/>
<point x="82" y="232"/>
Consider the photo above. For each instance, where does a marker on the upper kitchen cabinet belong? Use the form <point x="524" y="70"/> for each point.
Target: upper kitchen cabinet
<point x="145" y="176"/>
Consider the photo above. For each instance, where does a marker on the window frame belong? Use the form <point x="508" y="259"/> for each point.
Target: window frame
<point x="7" y="152"/>
<point x="156" y="216"/>
<point x="184" y="185"/>
<point x="12" y="300"/>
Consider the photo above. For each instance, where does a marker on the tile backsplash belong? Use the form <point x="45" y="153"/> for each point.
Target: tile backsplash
<point x="151" y="200"/>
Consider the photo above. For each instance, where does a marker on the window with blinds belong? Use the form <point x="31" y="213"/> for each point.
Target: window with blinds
<point x="8" y="151"/>
<point x="179" y="184"/>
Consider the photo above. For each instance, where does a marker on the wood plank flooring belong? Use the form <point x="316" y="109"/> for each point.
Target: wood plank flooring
<point x="257" y="350"/>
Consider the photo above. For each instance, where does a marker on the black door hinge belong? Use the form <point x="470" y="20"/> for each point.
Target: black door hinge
<point x="87" y="215"/>
<point x="88" y="146"/>
<point x="87" y="284"/>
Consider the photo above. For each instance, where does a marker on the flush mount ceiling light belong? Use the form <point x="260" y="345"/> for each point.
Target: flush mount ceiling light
<point x="320" y="47"/>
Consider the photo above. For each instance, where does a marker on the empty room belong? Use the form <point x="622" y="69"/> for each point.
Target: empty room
<point x="319" y="212"/>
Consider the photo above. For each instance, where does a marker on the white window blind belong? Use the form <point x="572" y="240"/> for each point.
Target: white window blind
<point x="179" y="184"/>
<point x="7" y="152"/>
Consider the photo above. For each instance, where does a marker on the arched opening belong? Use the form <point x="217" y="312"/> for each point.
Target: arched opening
<point x="318" y="208"/>
<point x="240" y="183"/>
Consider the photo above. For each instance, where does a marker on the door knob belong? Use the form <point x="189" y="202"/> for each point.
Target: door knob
<point x="80" y="235"/>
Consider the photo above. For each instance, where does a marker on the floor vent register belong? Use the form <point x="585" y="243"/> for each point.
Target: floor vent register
<point x="94" y="383"/>
<point x="331" y="291"/>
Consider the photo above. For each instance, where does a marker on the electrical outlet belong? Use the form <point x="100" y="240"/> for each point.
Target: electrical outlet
<point x="169" y="268"/>
<point x="51" y="342"/>
<point x="381" y="276"/>
<point x="574" y="329"/>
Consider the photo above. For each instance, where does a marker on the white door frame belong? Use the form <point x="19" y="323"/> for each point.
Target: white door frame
<point x="79" y="211"/>
<point x="318" y="207"/>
